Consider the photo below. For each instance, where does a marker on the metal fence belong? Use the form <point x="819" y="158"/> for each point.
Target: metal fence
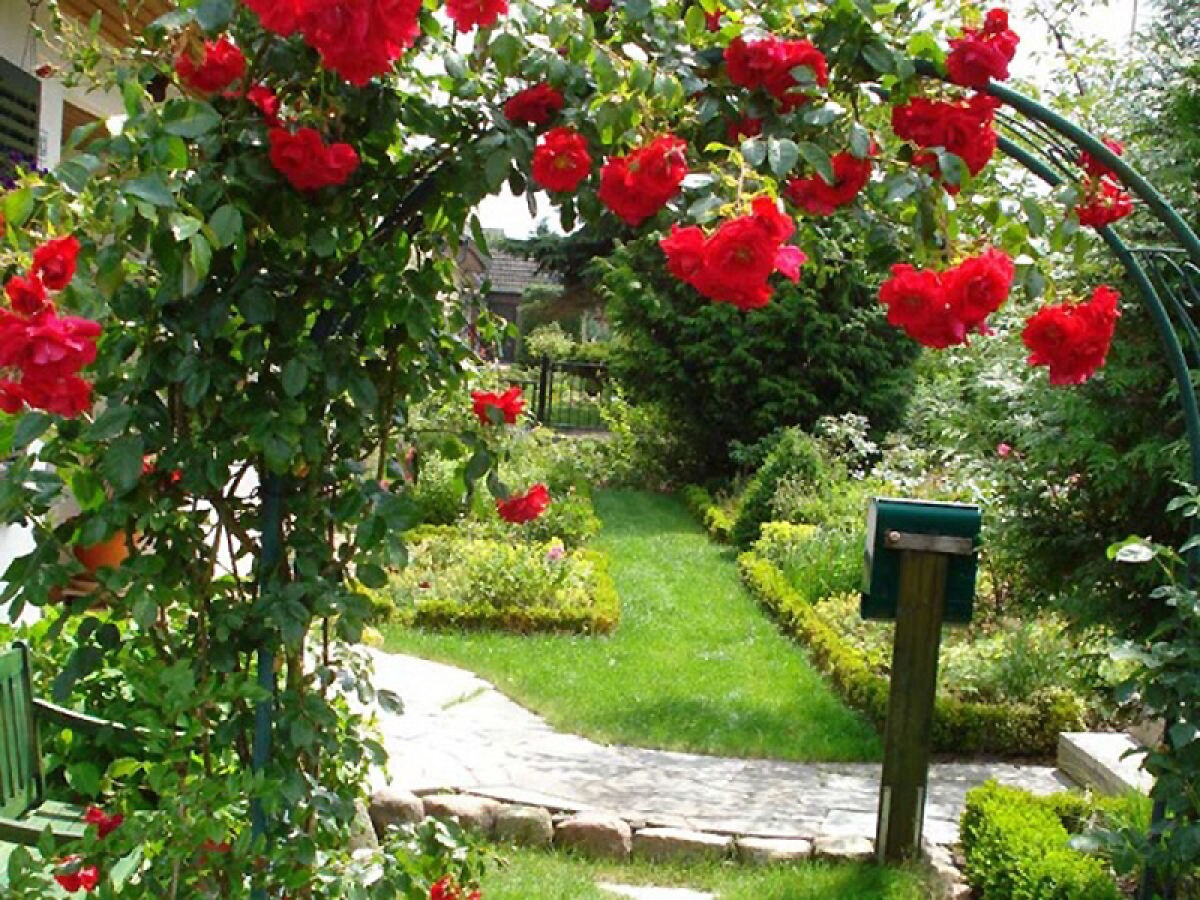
<point x="568" y="395"/>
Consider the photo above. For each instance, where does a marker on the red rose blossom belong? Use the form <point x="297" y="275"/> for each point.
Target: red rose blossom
<point x="105" y="824"/>
<point x="307" y="162"/>
<point x="359" y="39"/>
<point x="561" y="160"/>
<point x="47" y="345"/>
<point x="508" y="405"/>
<point x="535" y="105"/>
<point x="76" y="876"/>
<point x="740" y="129"/>
<point x="599" y="6"/>
<point x="54" y="262"/>
<point x="814" y="195"/>
<point x="1104" y="202"/>
<point x="768" y="64"/>
<point x="466" y="14"/>
<point x="916" y="302"/>
<point x="27" y="295"/>
<point x="266" y="102"/>
<point x="977" y="287"/>
<point x="1097" y="169"/>
<point x="964" y="128"/>
<point x="521" y="508"/>
<point x="712" y="20"/>
<point x="733" y="265"/>
<point x="637" y="186"/>
<point x="221" y="63"/>
<point x="279" y="16"/>
<point x="1073" y="339"/>
<point x="68" y="396"/>
<point x="983" y="54"/>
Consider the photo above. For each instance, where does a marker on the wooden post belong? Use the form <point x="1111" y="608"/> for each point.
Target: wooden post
<point x="907" y="741"/>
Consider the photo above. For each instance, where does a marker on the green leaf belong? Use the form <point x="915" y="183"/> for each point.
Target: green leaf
<point x="171" y="152"/>
<point x="151" y="189"/>
<point x="754" y="152"/>
<point x="133" y="95"/>
<point x="198" y="263"/>
<point x="924" y="45"/>
<point x="371" y="576"/>
<point x="124" y="868"/>
<point x="214" y="15"/>
<point x="362" y="391"/>
<point x="1182" y="734"/>
<point x="226" y="224"/>
<point x="782" y="155"/>
<point x="953" y="170"/>
<point x="479" y="237"/>
<point x="257" y="306"/>
<point x="30" y="427"/>
<point x="694" y="21"/>
<point x="506" y="51"/>
<point x="84" y="778"/>
<point x="879" y="58"/>
<point x="145" y="611"/>
<point x="190" y="118"/>
<point x="816" y="157"/>
<point x="295" y="377"/>
<point x="1034" y="216"/>
<point x="495" y="167"/>
<point x="636" y="10"/>
<point x="122" y="464"/>
<point x="110" y="423"/>
<point x="478" y="465"/>
<point x="88" y="489"/>
<point x="860" y="141"/>
<point x="18" y="207"/>
<point x="184" y="226"/>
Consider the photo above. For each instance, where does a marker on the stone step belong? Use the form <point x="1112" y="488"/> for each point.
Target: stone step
<point x="1099" y="760"/>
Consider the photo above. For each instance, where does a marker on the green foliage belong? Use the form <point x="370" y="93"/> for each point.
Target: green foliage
<point x="1027" y="727"/>
<point x="819" y="348"/>
<point x="440" y="490"/>
<point x="644" y="448"/>
<point x="820" y="562"/>
<point x="516" y="585"/>
<point x="549" y="341"/>
<point x="1016" y="848"/>
<point x="716" y="518"/>
<point x="795" y="455"/>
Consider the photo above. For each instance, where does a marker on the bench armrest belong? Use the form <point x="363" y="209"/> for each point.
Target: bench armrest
<point x="81" y="722"/>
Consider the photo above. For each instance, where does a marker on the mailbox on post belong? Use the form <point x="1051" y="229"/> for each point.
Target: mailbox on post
<point x="951" y="528"/>
<point x="920" y="571"/>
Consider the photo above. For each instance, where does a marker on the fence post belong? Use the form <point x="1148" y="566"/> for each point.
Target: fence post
<point x="543" y="390"/>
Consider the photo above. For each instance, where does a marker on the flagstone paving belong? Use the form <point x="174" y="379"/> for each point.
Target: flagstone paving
<point x="457" y="732"/>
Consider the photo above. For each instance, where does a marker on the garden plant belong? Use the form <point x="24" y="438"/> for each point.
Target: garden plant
<point x="222" y="307"/>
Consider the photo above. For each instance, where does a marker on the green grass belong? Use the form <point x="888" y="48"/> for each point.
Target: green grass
<point x="694" y="665"/>
<point x="557" y="876"/>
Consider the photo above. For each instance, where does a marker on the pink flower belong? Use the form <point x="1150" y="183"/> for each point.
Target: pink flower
<point x="1003" y="450"/>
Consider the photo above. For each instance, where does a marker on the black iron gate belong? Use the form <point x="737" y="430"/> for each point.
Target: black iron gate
<point x="568" y="395"/>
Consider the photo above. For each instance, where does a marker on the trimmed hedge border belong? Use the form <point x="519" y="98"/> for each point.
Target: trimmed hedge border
<point x="959" y="727"/>
<point x="600" y="617"/>
<point x="716" y="521"/>
<point x="1016" y="848"/>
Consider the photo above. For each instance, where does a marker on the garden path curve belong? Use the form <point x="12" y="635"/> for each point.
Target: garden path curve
<point x="458" y="732"/>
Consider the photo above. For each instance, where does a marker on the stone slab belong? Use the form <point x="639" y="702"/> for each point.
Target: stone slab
<point x="668" y="844"/>
<point x="641" y="892"/>
<point x="595" y="834"/>
<point x="1098" y="760"/>
<point x="764" y="851"/>
<point x="476" y="813"/>
<point x="844" y="848"/>
<point x="527" y="826"/>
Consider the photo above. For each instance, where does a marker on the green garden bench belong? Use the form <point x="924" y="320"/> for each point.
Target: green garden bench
<point x="25" y="813"/>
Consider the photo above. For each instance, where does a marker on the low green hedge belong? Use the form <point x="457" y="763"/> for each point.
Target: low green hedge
<point x="1016" y="848"/>
<point x="717" y="521"/>
<point x="959" y="727"/>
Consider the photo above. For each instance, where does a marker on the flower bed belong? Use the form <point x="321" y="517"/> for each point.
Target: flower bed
<point x="959" y="727"/>
<point x="454" y="580"/>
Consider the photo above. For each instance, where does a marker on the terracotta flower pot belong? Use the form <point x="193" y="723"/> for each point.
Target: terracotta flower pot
<point x="111" y="553"/>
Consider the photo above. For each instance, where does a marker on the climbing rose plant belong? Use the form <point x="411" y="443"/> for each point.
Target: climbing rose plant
<point x="250" y="278"/>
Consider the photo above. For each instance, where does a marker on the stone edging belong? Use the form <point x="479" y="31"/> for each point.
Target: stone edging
<point x="608" y="836"/>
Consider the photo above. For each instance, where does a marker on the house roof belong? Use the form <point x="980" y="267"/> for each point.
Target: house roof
<point x="510" y="274"/>
<point x="116" y="21"/>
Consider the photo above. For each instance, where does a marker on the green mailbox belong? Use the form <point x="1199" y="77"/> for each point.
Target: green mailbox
<point x="897" y="525"/>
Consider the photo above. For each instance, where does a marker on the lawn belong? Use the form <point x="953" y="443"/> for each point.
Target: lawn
<point x="557" y="876"/>
<point x="694" y="665"/>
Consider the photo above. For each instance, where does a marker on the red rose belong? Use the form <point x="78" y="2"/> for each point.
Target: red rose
<point x="561" y="160"/>
<point x="105" y="824"/>
<point x="54" y="262"/>
<point x="27" y="295"/>
<point x="916" y="302"/>
<point x="47" y="345"/>
<point x="684" y="248"/>
<point x="712" y="20"/>
<point x="307" y="162"/>
<point x="983" y="54"/>
<point x="466" y="14"/>
<point x="508" y="405"/>
<point x="266" y="102"/>
<point x="359" y="39"/>
<point x="599" y="6"/>
<point x="740" y="129"/>
<point x="815" y="196"/>
<point x="221" y="64"/>
<point x="522" y="508"/>
<point x="1073" y="339"/>
<point x="1104" y="203"/>
<point x="77" y="877"/>
<point x="1094" y="167"/>
<point x="637" y="186"/>
<point x="535" y="105"/>
<point x="964" y="128"/>
<point x="978" y="286"/>
<point x="280" y="16"/>
<point x="768" y="64"/>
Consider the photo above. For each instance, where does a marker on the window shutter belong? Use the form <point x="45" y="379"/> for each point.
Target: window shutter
<point x="20" y="101"/>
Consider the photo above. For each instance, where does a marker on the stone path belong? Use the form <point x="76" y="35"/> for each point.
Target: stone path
<point x="459" y="733"/>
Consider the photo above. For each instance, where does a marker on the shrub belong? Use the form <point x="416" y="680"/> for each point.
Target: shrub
<point x="549" y="340"/>
<point x="820" y="562"/>
<point x="514" y="585"/>
<point x="645" y="446"/>
<point x="716" y="518"/>
<point x="795" y="455"/>
<point x="1016" y="848"/>
<point x="1020" y="728"/>
<point x="440" y="490"/>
